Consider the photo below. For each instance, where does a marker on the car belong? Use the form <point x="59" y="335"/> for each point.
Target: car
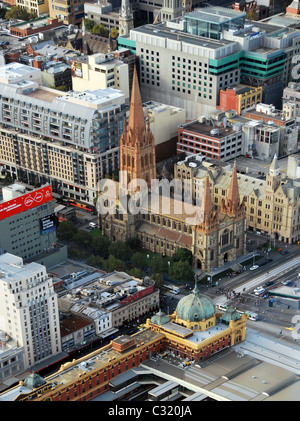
<point x="259" y="290"/>
<point x="268" y="283"/>
<point x="254" y="267"/>
<point x="250" y="241"/>
<point x="283" y="252"/>
<point x="287" y="283"/>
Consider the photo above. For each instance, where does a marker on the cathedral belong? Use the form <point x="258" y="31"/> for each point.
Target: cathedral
<point x="164" y="221"/>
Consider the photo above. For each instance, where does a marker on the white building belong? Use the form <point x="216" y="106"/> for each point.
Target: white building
<point x="100" y="71"/>
<point x="29" y="308"/>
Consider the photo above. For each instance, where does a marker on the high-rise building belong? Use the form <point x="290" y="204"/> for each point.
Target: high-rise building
<point x="29" y="308"/>
<point x="26" y="221"/>
<point x="70" y="140"/>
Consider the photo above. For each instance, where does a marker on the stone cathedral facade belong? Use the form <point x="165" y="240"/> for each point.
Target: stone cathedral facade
<point x="214" y="235"/>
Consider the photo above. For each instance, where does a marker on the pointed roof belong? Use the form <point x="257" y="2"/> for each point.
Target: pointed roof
<point x="207" y="203"/>
<point x="233" y="197"/>
<point x="274" y="165"/>
<point x="136" y="121"/>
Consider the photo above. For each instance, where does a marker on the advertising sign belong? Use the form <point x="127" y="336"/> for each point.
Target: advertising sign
<point x="47" y="224"/>
<point x="25" y="202"/>
<point x="76" y="69"/>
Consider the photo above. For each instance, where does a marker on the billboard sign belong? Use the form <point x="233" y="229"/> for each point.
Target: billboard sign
<point x="25" y="202"/>
<point x="47" y="224"/>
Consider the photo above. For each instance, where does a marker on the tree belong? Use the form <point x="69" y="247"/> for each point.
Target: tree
<point x="181" y="272"/>
<point x="114" y="33"/>
<point x="134" y="243"/>
<point x="120" y="250"/>
<point x="251" y="15"/>
<point x="112" y="264"/>
<point x="183" y="254"/>
<point x="100" y="245"/>
<point x="138" y="260"/>
<point x="159" y="282"/>
<point x="17" y="12"/>
<point x="66" y="230"/>
<point x="137" y="273"/>
<point x="158" y="264"/>
<point x="83" y="238"/>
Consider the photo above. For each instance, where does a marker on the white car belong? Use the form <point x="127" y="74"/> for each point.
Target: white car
<point x="254" y="267"/>
<point x="259" y="290"/>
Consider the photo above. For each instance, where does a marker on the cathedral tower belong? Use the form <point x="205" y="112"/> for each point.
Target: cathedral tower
<point x="137" y="146"/>
<point x="125" y="18"/>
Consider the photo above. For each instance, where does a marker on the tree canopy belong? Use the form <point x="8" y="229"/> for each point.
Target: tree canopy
<point x="17" y="12"/>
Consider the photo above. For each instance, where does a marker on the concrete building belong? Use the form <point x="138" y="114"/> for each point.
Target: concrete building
<point x="82" y="129"/>
<point x="26" y="221"/>
<point x="34" y="27"/>
<point x="239" y="98"/>
<point x="102" y="13"/>
<point x="291" y="94"/>
<point x="39" y="7"/>
<point x="100" y="71"/>
<point x="164" y="121"/>
<point x="202" y="62"/>
<point x="11" y="358"/>
<point x="70" y="13"/>
<point x="29" y="310"/>
<point x="57" y="75"/>
<point x="211" y="138"/>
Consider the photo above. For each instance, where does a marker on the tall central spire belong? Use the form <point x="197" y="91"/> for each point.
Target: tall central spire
<point x="136" y="121"/>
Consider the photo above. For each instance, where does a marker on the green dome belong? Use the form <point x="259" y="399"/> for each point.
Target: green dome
<point x="33" y="381"/>
<point x="230" y="314"/>
<point x="195" y="307"/>
<point x="160" y="318"/>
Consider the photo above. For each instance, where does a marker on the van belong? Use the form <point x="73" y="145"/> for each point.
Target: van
<point x="92" y="225"/>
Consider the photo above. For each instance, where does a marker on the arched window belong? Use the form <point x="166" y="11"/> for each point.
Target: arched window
<point x="132" y="162"/>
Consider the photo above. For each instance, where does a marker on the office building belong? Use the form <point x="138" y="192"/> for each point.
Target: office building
<point x="70" y="12"/>
<point x="209" y="50"/>
<point x="29" y="310"/>
<point x="239" y="98"/>
<point x="39" y="7"/>
<point x="211" y="138"/>
<point x="100" y="71"/>
<point x="70" y="140"/>
<point x="26" y="221"/>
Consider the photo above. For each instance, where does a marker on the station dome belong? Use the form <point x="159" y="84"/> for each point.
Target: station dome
<point x="195" y="307"/>
<point x="230" y="314"/>
<point x="160" y="318"/>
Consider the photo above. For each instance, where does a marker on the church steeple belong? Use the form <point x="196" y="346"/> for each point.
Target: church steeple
<point x="137" y="145"/>
<point x="207" y="203"/>
<point x="233" y="198"/>
<point x="136" y="121"/>
<point x="125" y="18"/>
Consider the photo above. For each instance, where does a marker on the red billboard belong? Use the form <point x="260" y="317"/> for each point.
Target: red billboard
<point x="25" y="202"/>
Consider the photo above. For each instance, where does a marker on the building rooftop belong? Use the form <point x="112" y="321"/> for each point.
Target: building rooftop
<point x="215" y="14"/>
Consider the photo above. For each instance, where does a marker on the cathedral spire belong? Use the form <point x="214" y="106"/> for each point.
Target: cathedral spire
<point x="233" y="198"/>
<point x="207" y="203"/>
<point x="136" y="121"/>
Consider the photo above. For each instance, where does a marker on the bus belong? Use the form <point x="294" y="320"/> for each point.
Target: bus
<point x="173" y="289"/>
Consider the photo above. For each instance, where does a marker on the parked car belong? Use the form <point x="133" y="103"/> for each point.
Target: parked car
<point x="259" y="290"/>
<point x="254" y="267"/>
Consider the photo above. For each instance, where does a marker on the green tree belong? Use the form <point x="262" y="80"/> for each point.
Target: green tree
<point x="120" y="250"/>
<point x="66" y="230"/>
<point x="114" y="33"/>
<point x="181" y="272"/>
<point x="83" y="238"/>
<point x="94" y="261"/>
<point x="137" y="273"/>
<point x="100" y="245"/>
<point x="112" y="264"/>
<point x="138" y="260"/>
<point x="89" y="23"/>
<point x="157" y="264"/>
<point x="183" y="254"/>
<point x="251" y="15"/>
<point x="159" y="282"/>
<point x="17" y="12"/>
